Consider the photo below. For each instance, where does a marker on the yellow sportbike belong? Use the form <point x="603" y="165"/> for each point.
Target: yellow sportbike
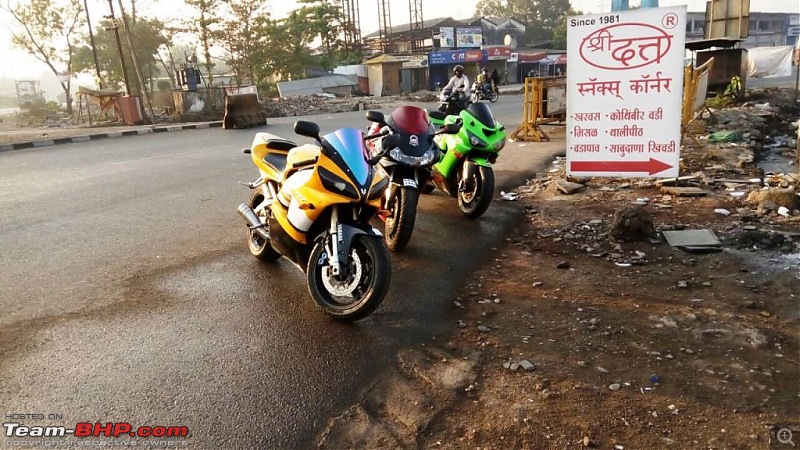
<point x="313" y="204"/>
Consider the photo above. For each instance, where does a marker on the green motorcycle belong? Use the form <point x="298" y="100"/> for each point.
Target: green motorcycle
<point x="464" y="169"/>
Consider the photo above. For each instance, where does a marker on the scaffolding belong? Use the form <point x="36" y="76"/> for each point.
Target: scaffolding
<point x="352" y="26"/>
<point x="385" y="25"/>
<point x="416" y="23"/>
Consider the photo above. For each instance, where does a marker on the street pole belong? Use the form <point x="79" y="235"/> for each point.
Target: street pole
<point x="115" y="27"/>
<point x="94" y="49"/>
<point x="136" y="67"/>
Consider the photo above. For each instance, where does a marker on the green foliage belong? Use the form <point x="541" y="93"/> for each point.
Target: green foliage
<point x="541" y="17"/>
<point x="559" y="41"/>
<point x="732" y="93"/>
<point x="48" y="30"/>
<point x="241" y="34"/>
<point x="147" y="35"/>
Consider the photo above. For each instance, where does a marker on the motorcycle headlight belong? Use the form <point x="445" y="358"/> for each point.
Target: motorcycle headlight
<point x="475" y="141"/>
<point x="413" y="161"/>
<point x="335" y="183"/>
<point x="499" y="146"/>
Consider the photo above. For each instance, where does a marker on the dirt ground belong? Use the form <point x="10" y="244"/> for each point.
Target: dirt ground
<point x="575" y="339"/>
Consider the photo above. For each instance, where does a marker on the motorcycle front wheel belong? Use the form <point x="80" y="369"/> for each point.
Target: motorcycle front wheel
<point x="493" y="96"/>
<point x="400" y="224"/>
<point x="258" y="246"/>
<point x="355" y="296"/>
<point x="475" y="195"/>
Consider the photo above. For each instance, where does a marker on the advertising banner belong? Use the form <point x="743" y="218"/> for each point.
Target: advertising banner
<point x="624" y="92"/>
<point x="469" y="37"/>
<point x="447" y="37"/>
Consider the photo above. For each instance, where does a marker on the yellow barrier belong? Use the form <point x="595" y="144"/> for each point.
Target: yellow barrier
<point x="545" y="101"/>
<point x="695" y="86"/>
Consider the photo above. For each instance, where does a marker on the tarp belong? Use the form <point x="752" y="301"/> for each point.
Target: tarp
<point x="769" y="62"/>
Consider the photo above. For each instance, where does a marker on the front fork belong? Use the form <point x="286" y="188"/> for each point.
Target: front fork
<point x="335" y="234"/>
<point x="340" y="238"/>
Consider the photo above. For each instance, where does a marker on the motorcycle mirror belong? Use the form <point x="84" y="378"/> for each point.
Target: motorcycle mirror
<point x="375" y="116"/>
<point x="308" y="129"/>
<point x="452" y="128"/>
<point x="246" y="151"/>
<point x="392" y="141"/>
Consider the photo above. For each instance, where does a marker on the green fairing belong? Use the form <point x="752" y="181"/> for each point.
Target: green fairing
<point x="460" y="142"/>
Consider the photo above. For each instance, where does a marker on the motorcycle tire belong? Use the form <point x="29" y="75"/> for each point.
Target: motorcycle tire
<point x="258" y="246"/>
<point x="474" y="204"/>
<point x="494" y="96"/>
<point x="400" y="225"/>
<point x="371" y="265"/>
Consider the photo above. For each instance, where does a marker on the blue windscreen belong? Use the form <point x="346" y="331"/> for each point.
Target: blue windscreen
<point x="349" y="143"/>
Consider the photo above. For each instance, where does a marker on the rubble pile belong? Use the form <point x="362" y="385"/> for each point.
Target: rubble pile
<point x="331" y="104"/>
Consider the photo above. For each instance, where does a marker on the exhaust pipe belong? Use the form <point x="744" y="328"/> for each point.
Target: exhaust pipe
<point x="252" y="220"/>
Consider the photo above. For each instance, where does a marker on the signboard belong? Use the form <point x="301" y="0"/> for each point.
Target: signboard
<point x="447" y="39"/>
<point x="727" y="19"/>
<point x="624" y="92"/>
<point x="456" y="57"/>
<point x="556" y="100"/>
<point x="469" y="37"/>
<point x="497" y="53"/>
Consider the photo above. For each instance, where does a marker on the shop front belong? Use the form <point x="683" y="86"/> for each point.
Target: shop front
<point x="441" y="64"/>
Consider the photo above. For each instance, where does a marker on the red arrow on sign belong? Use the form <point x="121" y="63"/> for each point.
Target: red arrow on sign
<point x="652" y="166"/>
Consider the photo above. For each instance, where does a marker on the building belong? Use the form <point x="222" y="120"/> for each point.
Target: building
<point x="764" y="29"/>
<point x="429" y="53"/>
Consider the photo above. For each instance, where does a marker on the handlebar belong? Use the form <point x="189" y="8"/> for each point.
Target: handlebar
<point x="376" y="135"/>
<point x="307" y="162"/>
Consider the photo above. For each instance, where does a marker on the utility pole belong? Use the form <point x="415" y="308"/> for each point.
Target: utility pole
<point x="94" y="49"/>
<point x="115" y="27"/>
<point x="136" y="67"/>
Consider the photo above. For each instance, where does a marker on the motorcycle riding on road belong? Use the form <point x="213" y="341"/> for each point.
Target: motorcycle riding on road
<point x="454" y="95"/>
<point x="312" y="204"/>
<point x="465" y="168"/>
<point x="407" y="165"/>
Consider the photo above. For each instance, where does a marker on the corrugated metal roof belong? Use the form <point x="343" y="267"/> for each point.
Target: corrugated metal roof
<point x="313" y="86"/>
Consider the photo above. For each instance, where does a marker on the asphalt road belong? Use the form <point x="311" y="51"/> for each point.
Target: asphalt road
<point x="127" y="292"/>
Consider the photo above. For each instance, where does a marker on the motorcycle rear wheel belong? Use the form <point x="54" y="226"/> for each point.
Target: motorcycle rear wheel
<point x="400" y="225"/>
<point x="258" y="246"/>
<point x="362" y="291"/>
<point x="475" y="202"/>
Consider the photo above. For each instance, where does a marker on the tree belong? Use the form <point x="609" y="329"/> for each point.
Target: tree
<point x="559" y="40"/>
<point x="241" y="34"/>
<point x="48" y="30"/>
<point x="148" y="35"/>
<point x="541" y="17"/>
<point x="204" y="26"/>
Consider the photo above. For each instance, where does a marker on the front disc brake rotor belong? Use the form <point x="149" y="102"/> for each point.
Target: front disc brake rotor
<point x="345" y="287"/>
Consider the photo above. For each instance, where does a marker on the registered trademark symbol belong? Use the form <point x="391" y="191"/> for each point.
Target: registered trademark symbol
<point x="670" y="20"/>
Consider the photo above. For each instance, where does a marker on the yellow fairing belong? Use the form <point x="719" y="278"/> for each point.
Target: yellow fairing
<point x="269" y="154"/>
<point x="312" y="196"/>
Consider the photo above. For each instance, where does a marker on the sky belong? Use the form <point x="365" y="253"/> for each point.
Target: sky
<point x="16" y="64"/>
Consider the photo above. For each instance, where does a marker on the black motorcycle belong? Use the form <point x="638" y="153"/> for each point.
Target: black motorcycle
<point x="453" y="103"/>
<point x="483" y="91"/>
<point x="407" y="159"/>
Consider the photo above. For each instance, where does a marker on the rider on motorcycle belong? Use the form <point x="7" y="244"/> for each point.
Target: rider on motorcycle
<point x="484" y="81"/>
<point x="458" y="83"/>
